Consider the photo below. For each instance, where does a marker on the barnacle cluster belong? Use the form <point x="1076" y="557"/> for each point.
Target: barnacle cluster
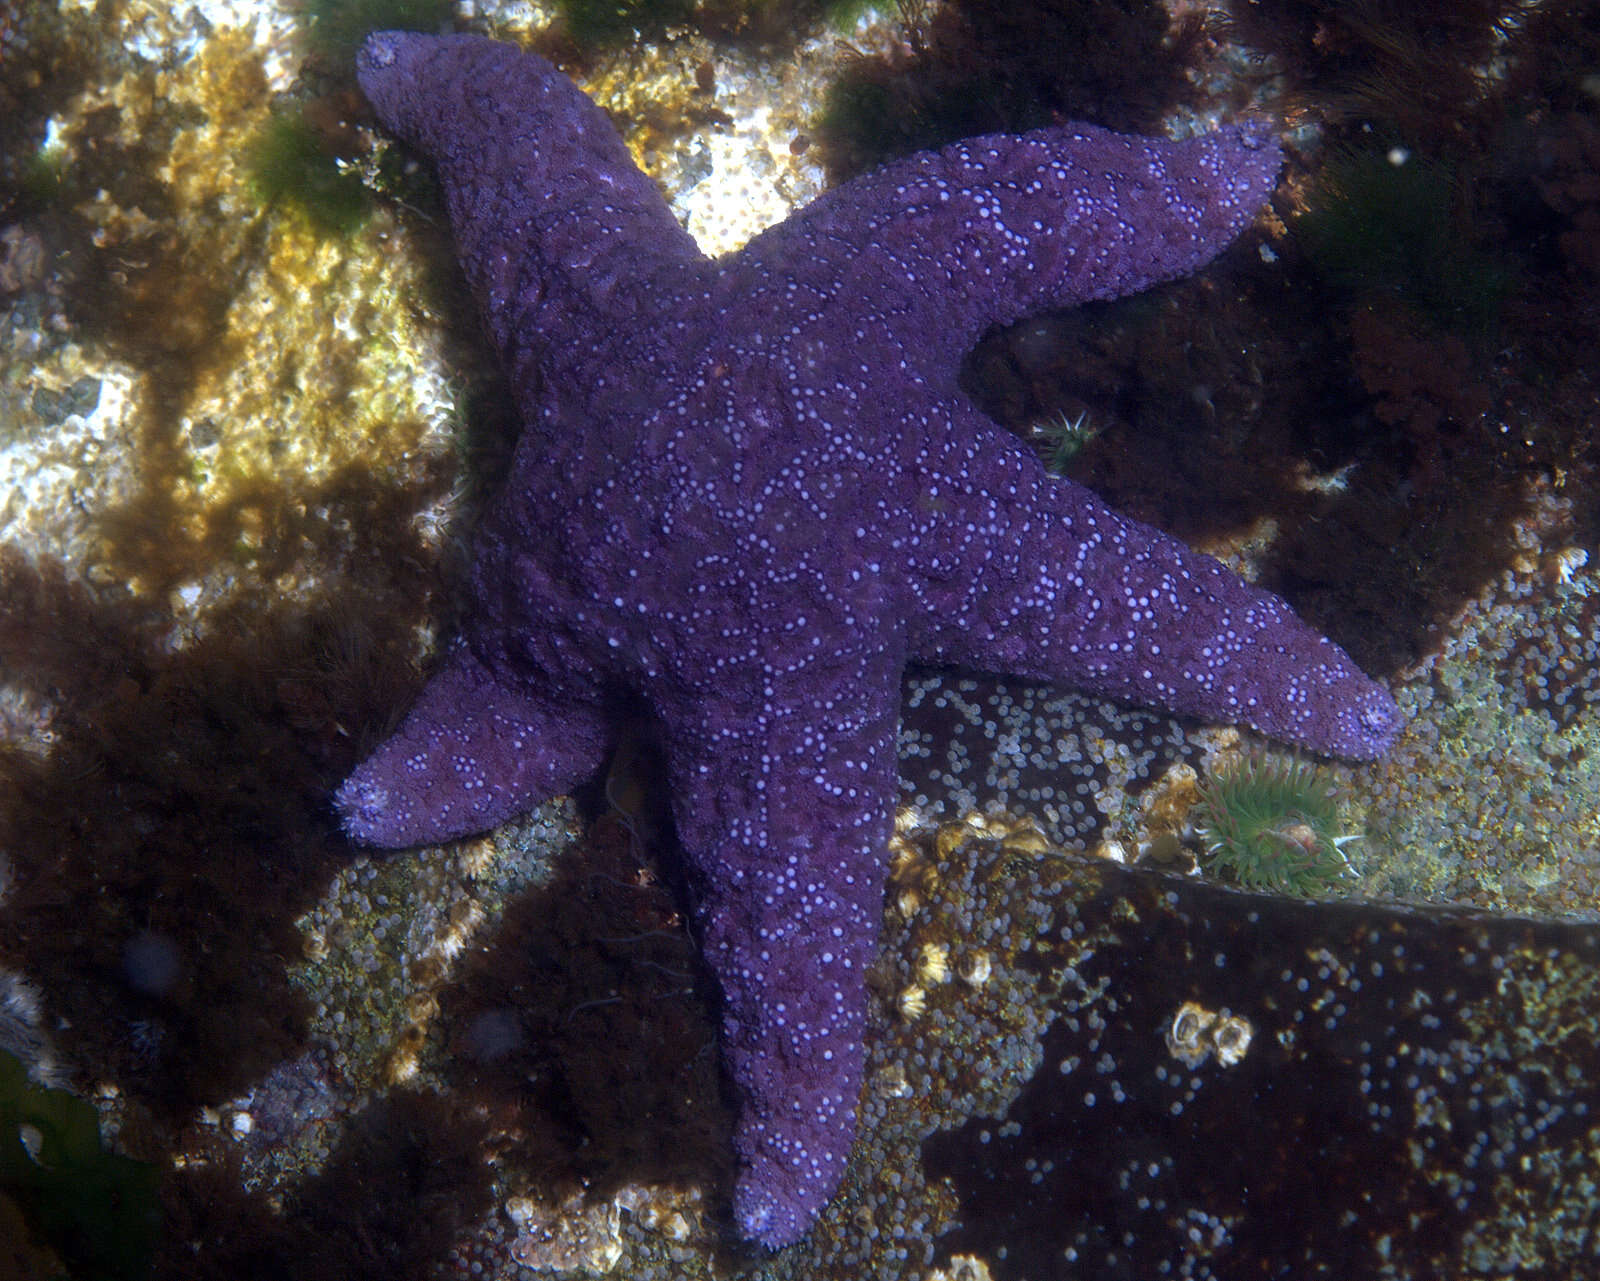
<point x="1196" y="1034"/>
<point x="1489" y="797"/>
<point x="1073" y="763"/>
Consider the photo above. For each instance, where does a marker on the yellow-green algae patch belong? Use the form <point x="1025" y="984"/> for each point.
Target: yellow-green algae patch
<point x="328" y="368"/>
<point x="720" y="125"/>
<point x="248" y="357"/>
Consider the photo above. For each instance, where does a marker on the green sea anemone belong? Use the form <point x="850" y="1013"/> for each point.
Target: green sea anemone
<point x="1271" y="825"/>
<point x="1061" y="439"/>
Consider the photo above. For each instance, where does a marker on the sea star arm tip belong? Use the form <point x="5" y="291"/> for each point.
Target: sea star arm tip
<point x="556" y="228"/>
<point x="788" y="881"/>
<point x="473" y="751"/>
<point x="941" y="245"/>
<point x="1032" y="574"/>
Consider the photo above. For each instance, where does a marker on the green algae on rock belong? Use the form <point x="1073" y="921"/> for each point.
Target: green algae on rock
<point x="97" y="1208"/>
<point x="289" y="163"/>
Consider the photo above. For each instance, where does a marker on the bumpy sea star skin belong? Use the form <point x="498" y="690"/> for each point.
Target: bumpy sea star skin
<point x="750" y="492"/>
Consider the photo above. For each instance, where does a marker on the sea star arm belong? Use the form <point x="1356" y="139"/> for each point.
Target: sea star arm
<point x="923" y="255"/>
<point x="1027" y="573"/>
<point x="782" y="810"/>
<point x="474" y="751"/>
<point x="556" y="228"/>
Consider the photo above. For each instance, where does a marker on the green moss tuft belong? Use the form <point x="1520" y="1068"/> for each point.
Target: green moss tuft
<point x="843" y="15"/>
<point x="337" y="27"/>
<point x="289" y="163"/>
<point x="1269" y="825"/>
<point x="43" y="176"/>
<point x="1388" y="223"/>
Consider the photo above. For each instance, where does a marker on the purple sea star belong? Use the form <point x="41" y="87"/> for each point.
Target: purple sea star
<point x="748" y="492"/>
